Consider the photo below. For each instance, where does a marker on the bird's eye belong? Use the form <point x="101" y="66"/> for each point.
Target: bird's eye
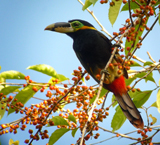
<point x="76" y="24"/>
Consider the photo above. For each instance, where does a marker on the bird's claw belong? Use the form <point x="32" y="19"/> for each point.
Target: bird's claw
<point x="116" y="45"/>
<point x="105" y="72"/>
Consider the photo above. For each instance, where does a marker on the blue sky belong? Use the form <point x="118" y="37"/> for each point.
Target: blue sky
<point x="23" y="42"/>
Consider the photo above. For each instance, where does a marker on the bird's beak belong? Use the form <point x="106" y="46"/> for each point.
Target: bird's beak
<point x="60" y="27"/>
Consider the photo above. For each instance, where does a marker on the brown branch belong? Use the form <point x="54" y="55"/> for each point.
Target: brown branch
<point x="130" y="14"/>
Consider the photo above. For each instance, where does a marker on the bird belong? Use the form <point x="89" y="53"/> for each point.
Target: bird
<point x="94" y="49"/>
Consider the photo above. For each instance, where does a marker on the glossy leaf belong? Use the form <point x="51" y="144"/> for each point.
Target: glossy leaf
<point x="147" y="63"/>
<point x="114" y="11"/>
<point x="135" y="64"/>
<point x="154" y="119"/>
<point x="23" y="96"/>
<point x="118" y="119"/>
<point x="9" y="89"/>
<point x="57" y="134"/>
<point x="158" y="100"/>
<point x="12" y="74"/>
<point x="133" y="5"/>
<point x="141" y="97"/>
<point x="148" y="78"/>
<point x="58" y="120"/>
<point x="45" y="69"/>
<point x="74" y="131"/>
<point x="88" y="3"/>
<point x="72" y="118"/>
<point x="2" y="111"/>
<point x="129" y="81"/>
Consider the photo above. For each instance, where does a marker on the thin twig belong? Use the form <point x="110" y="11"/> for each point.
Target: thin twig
<point x="144" y="76"/>
<point x="130" y="14"/>
<point x="151" y="57"/>
<point x="122" y="135"/>
<point x="146" y="138"/>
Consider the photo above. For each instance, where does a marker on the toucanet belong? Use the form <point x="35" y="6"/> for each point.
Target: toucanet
<point x="93" y="50"/>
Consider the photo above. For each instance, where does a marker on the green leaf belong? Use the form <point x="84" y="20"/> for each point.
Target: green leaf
<point x="140" y="98"/>
<point x="45" y="69"/>
<point x="129" y="44"/>
<point x="72" y="118"/>
<point x="23" y="96"/>
<point x="118" y="119"/>
<point x="9" y="89"/>
<point x="148" y="78"/>
<point x="154" y="119"/>
<point x="103" y="92"/>
<point x="58" y="120"/>
<point x="88" y="3"/>
<point x="114" y="11"/>
<point x="11" y="142"/>
<point x="133" y="5"/>
<point x="115" y="103"/>
<point x="135" y="64"/>
<point x="74" y="131"/>
<point x="2" y="111"/>
<point x="154" y="104"/>
<point x="147" y="63"/>
<point x="61" y="77"/>
<point x="12" y="74"/>
<point x="57" y="134"/>
<point x="158" y="100"/>
<point x="129" y="81"/>
<point x="0" y="67"/>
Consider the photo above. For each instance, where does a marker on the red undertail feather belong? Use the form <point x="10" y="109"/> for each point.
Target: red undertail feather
<point x="118" y="87"/>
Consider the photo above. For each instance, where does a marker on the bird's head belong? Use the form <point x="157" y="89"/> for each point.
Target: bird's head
<point x="70" y="27"/>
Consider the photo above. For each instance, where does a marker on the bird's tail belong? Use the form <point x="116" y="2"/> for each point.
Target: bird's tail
<point x="118" y="87"/>
<point x="130" y="110"/>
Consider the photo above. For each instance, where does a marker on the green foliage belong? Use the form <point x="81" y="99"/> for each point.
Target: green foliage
<point x="147" y="63"/>
<point x="58" y="120"/>
<point x="72" y="118"/>
<point x="158" y="100"/>
<point x="118" y="119"/>
<point x="129" y="44"/>
<point x="12" y="74"/>
<point x="135" y="64"/>
<point x="114" y="11"/>
<point x="133" y="5"/>
<point x="103" y="92"/>
<point x="141" y="97"/>
<point x="88" y="3"/>
<point x="23" y="96"/>
<point x="74" y="131"/>
<point x="57" y="134"/>
<point x="9" y="89"/>
<point x="2" y="111"/>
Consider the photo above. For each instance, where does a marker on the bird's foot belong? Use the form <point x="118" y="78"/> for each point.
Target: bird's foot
<point x="105" y="72"/>
<point x="116" y="45"/>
